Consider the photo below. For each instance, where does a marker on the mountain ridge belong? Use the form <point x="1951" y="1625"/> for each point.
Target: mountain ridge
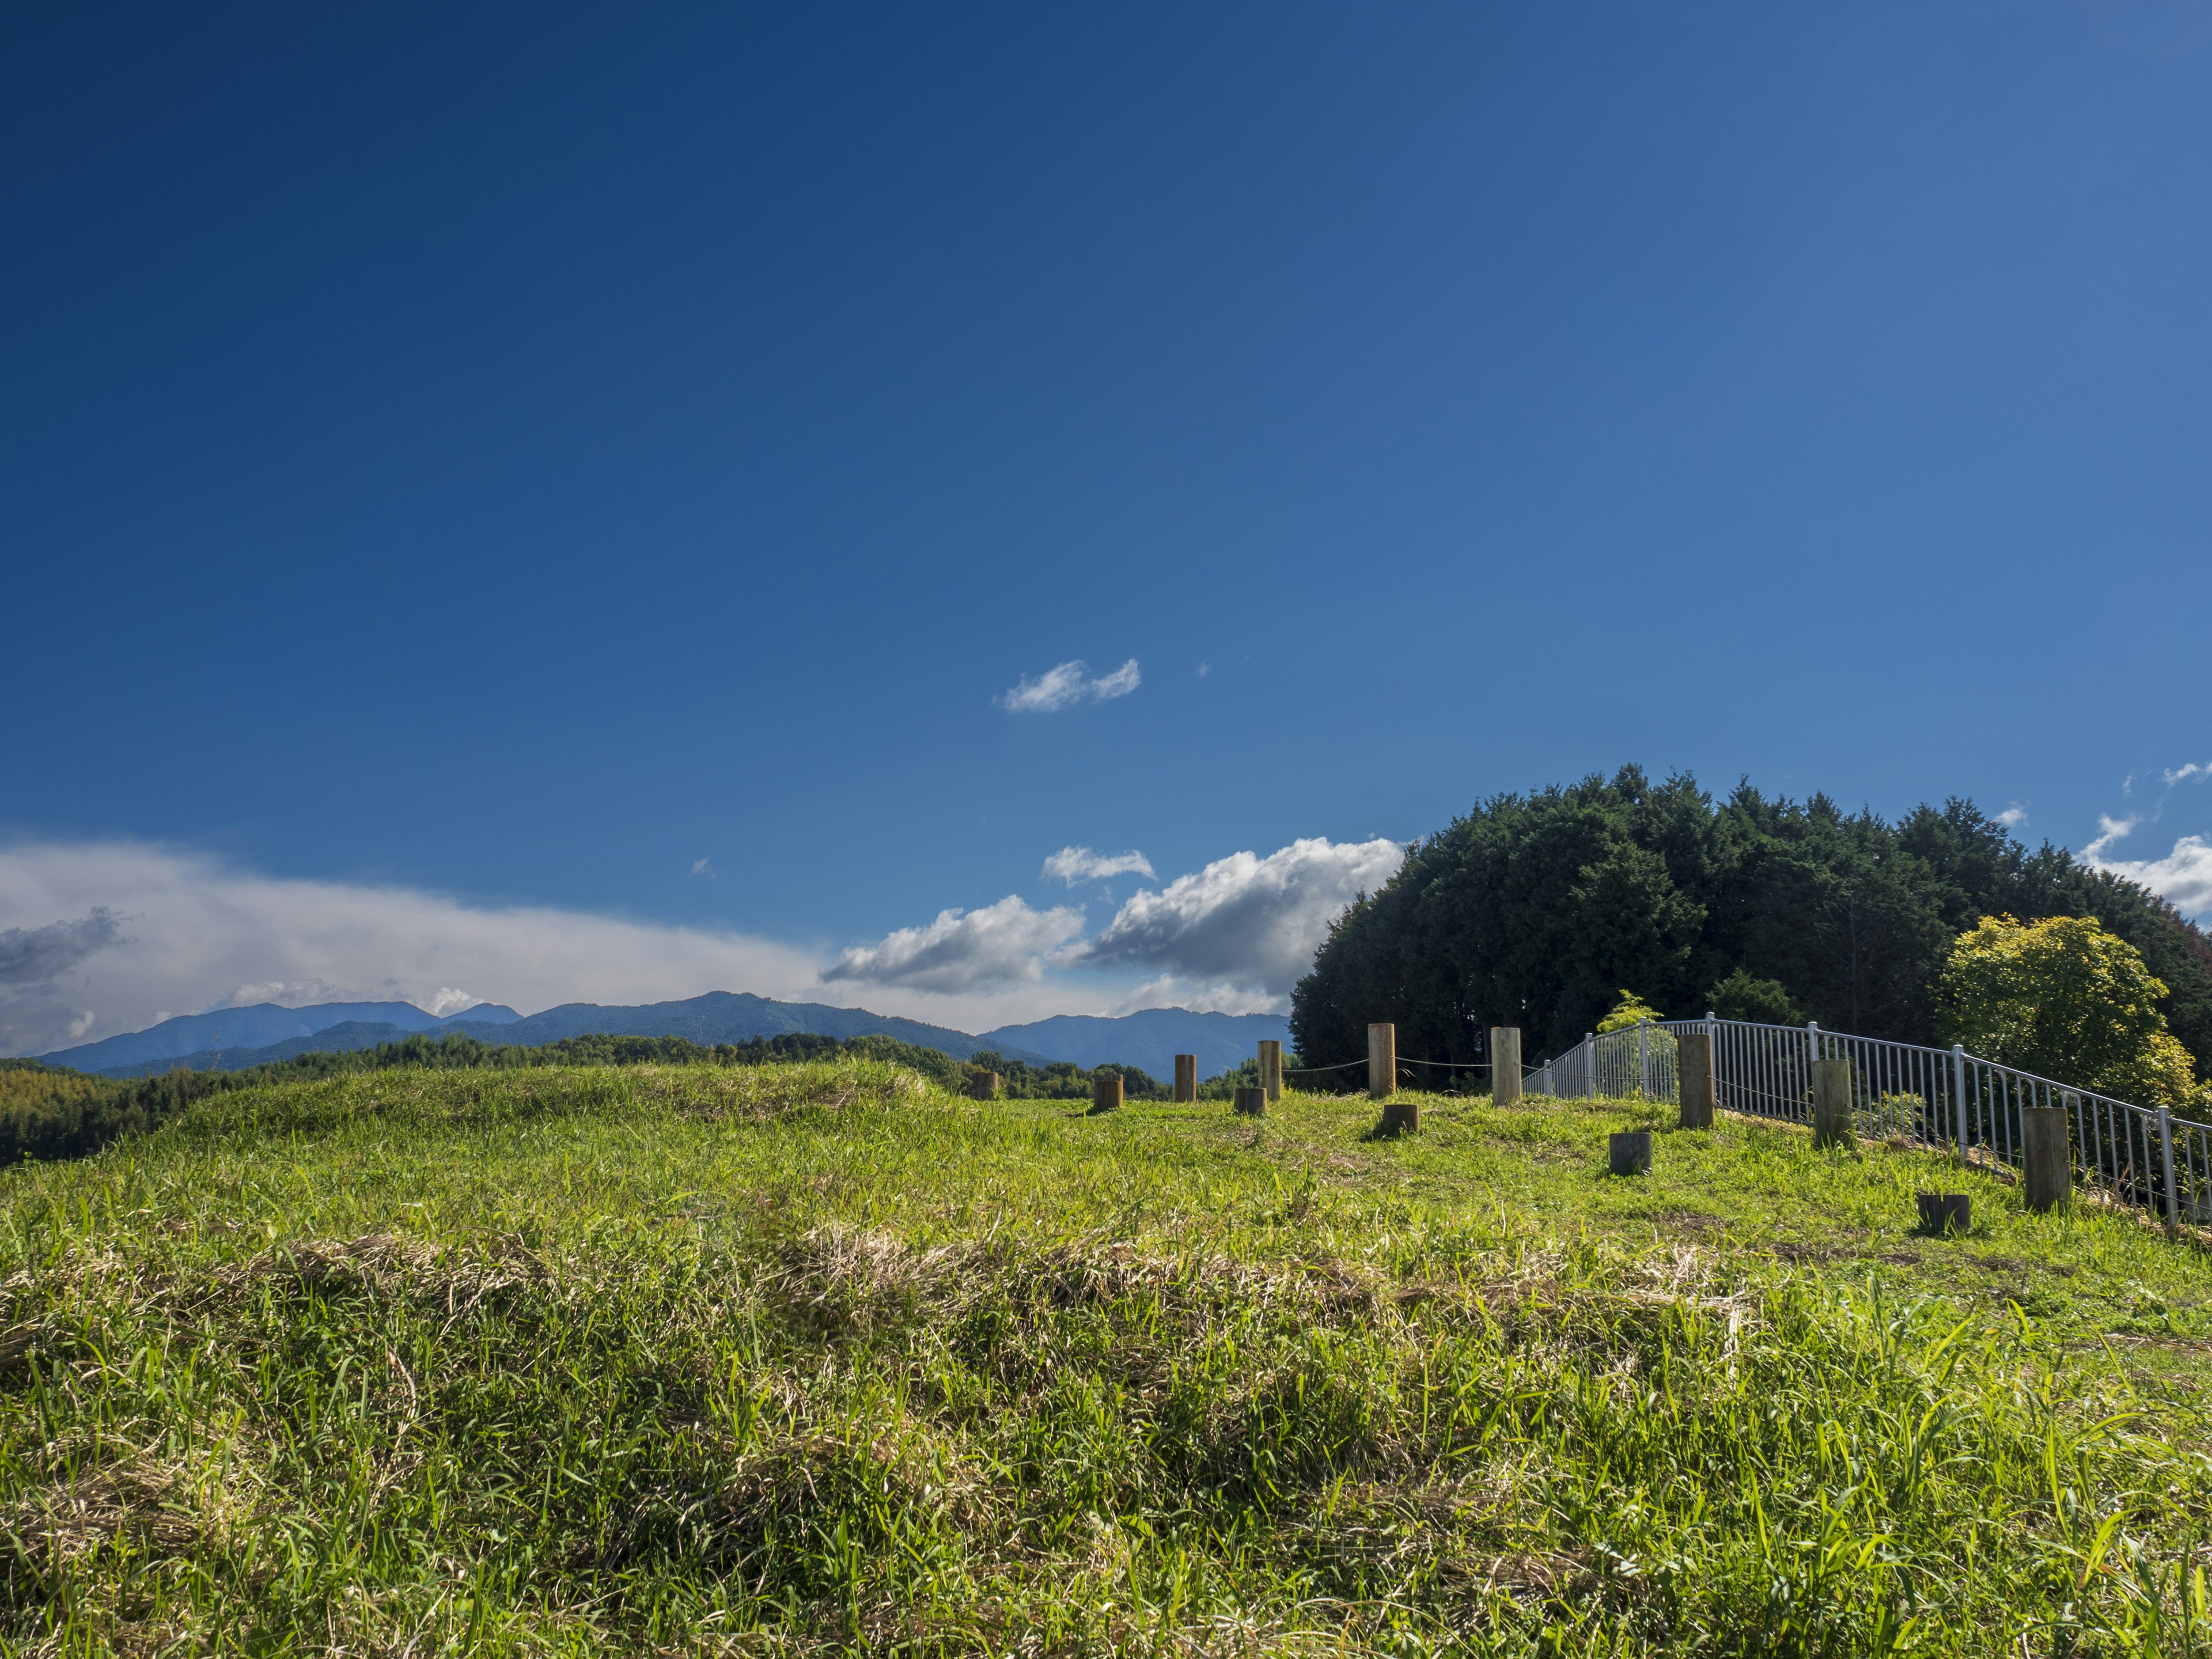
<point x="257" y="1025"/>
<point x="1148" y="1039"/>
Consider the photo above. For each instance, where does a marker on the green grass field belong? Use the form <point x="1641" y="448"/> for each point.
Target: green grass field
<point x="818" y="1358"/>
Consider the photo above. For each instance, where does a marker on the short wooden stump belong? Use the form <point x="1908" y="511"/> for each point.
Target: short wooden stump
<point x="1945" y="1212"/>
<point x="1631" y="1153"/>
<point x="1252" y="1102"/>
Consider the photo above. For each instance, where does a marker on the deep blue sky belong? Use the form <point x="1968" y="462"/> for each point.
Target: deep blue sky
<point x="522" y="453"/>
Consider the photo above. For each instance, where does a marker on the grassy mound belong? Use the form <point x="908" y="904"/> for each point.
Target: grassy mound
<point x="819" y="1359"/>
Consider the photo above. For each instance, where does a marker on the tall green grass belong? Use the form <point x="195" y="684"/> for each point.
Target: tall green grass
<point x="821" y="1359"/>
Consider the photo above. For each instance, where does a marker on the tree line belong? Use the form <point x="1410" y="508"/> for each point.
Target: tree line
<point x="1538" y="910"/>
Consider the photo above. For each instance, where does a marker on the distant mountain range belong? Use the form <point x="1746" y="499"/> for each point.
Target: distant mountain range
<point x="189" y="1036"/>
<point x="234" y="1039"/>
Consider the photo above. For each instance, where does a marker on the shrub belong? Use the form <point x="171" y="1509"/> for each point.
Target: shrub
<point x="2065" y="999"/>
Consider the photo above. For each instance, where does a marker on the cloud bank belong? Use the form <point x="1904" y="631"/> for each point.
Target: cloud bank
<point x="1069" y="682"/>
<point x="1245" y="920"/>
<point x="1002" y="944"/>
<point x="108" y="936"/>
<point x="1234" y="936"/>
<point x="2183" y="877"/>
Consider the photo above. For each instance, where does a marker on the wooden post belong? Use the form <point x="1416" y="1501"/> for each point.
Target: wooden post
<point x="1631" y="1151"/>
<point x="1382" y="1061"/>
<point x="2046" y="1157"/>
<point x="1271" y="1067"/>
<point x="1693" y="1055"/>
<point x="1106" y="1092"/>
<point x="1185" y="1076"/>
<point x="1251" y="1101"/>
<point x="983" y="1085"/>
<point x="1831" y="1103"/>
<point x="1504" y="1065"/>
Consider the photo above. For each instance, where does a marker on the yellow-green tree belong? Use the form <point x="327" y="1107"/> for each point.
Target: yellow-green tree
<point x="1627" y="1013"/>
<point x="2065" y="999"/>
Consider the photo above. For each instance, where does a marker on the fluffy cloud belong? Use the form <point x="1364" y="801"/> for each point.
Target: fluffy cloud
<point x="1002" y="943"/>
<point x="2012" y="816"/>
<point x="2182" y="876"/>
<point x="1244" y="921"/>
<point x="1074" y="864"/>
<point x="1071" y="682"/>
<point x="110" y="937"/>
<point x="2193" y="769"/>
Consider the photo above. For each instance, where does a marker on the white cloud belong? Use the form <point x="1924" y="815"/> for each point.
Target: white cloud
<point x="1002" y="943"/>
<point x="2109" y="829"/>
<point x="2182" y="876"/>
<point x="704" y="867"/>
<point x="182" y="931"/>
<point x="1069" y="682"/>
<point x="1074" y="864"/>
<point x="2193" y="769"/>
<point x="1246" y="921"/>
<point x="2012" y="816"/>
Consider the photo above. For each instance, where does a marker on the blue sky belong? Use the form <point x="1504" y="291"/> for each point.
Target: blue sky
<point x="495" y="460"/>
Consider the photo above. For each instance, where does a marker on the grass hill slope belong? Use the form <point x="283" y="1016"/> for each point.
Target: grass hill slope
<point x="819" y="1359"/>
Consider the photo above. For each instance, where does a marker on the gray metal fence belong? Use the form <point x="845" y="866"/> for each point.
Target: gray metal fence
<point x="1942" y="1098"/>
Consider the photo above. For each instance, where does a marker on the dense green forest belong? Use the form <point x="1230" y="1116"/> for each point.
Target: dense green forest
<point x="49" y="1112"/>
<point x="1538" y="910"/>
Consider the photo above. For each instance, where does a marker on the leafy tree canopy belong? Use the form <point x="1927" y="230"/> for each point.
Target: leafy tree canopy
<point x="2065" y="999"/>
<point x="1535" y="910"/>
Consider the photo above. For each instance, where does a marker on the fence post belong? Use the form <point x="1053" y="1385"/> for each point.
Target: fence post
<point x="1958" y="1094"/>
<point x="1693" y="1058"/>
<point x="1643" y="1058"/>
<point x="1382" y="1061"/>
<point x="1713" y="1054"/>
<point x="1504" y="1065"/>
<point x="983" y="1085"/>
<point x="2047" y="1164"/>
<point x="1831" y="1103"/>
<point x="1271" y="1067"/>
<point x="1813" y="1059"/>
<point x="1185" y="1076"/>
<point x="1251" y="1101"/>
<point x="1589" y="1065"/>
<point x="2165" y="1152"/>
<point x="1106" y="1092"/>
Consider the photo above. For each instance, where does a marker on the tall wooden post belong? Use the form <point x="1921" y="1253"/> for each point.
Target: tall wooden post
<point x="1106" y="1092"/>
<point x="1694" y="1056"/>
<point x="1382" y="1061"/>
<point x="1831" y="1103"/>
<point x="1271" y="1068"/>
<point x="2046" y="1157"/>
<point x="1185" y="1076"/>
<point x="1504" y="1065"/>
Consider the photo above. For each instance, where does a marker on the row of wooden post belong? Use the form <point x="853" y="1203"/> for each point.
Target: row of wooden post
<point x="2047" y="1151"/>
<point x="2046" y="1154"/>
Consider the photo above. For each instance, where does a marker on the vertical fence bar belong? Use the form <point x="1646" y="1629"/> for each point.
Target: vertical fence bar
<point x="1959" y="1093"/>
<point x="2165" y="1150"/>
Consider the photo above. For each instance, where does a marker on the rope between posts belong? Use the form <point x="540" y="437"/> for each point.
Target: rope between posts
<point x="1347" y="1066"/>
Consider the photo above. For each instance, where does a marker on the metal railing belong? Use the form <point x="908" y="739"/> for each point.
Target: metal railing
<point x="1945" y="1099"/>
